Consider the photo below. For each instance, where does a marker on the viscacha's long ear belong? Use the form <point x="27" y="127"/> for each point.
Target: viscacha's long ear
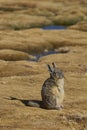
<point x="54" y="65"/>
<point x="49" y="68"/>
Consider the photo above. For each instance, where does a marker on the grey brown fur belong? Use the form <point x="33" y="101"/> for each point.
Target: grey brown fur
<point x="52" y="92"/>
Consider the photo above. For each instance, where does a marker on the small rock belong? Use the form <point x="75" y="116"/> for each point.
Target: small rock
<point x="32" y="58"/>
<point x="62" y="50"/>
<point x="46" y="50"/>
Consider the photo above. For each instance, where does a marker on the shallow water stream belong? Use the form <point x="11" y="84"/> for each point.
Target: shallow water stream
<point x="54" y="27"/>
<point x="50" y="27"/>
<point x="38" y="56"/>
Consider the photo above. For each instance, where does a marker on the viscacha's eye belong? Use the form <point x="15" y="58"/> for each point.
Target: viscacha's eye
<point x="54" y="73"/>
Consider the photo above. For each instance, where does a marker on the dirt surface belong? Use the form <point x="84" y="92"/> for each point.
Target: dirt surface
<point x="21" y="79"/>
<point x="24" y="83"/>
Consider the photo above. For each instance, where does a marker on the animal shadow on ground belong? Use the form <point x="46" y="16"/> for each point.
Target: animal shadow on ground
<point x="26" y="102"/>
